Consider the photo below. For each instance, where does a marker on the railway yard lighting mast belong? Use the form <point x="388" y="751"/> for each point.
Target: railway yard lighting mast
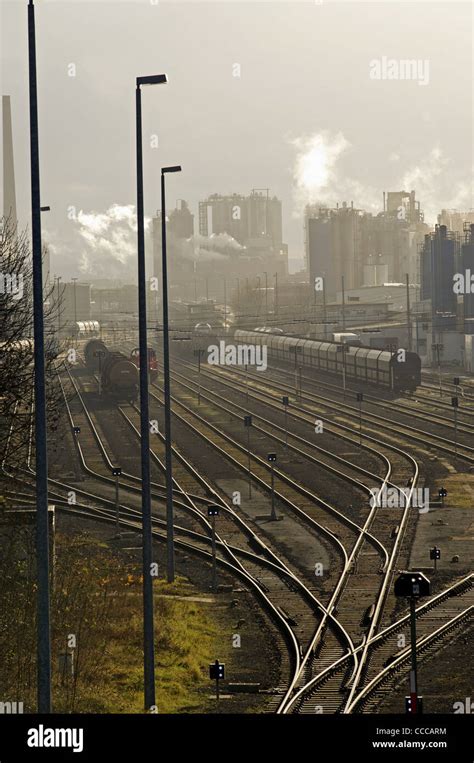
<point x="166" y="383"/>
<point x="42" y="518"/>
<point x="147" y="538"/>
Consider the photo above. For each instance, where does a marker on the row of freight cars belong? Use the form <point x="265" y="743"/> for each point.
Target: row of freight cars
<point x="398" y="370"/>
<point x="118" y="373"/>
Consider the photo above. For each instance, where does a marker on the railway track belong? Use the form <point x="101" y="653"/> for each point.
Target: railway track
<point x="299" y="621"/>
<point x="344" y="414"/>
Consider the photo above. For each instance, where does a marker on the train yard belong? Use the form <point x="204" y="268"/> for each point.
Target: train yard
<point x="320" y="498"/>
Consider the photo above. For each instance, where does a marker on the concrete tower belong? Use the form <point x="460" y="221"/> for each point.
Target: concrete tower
<point x="9" y="195"/>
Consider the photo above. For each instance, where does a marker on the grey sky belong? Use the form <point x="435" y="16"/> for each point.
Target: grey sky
<point x="304" y="70"/>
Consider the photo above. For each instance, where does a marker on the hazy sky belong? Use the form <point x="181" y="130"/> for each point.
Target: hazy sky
<point x="304" y="117"/>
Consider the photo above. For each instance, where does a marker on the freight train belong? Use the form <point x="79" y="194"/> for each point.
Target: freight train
<point x="95" y="353"/>
<point x="400" y="370"/>
<point x="119" y="377"/>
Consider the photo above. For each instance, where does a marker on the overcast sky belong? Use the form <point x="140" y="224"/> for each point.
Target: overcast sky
<point x="304" y="117"/>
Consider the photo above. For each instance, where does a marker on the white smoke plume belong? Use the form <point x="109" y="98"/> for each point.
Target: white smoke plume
<point x="438" y="186"/>
<point x="102" y="244"/>
<point x="319" y="178"/>
<point x="199" y="248"/>
<point x="317" y="174"/>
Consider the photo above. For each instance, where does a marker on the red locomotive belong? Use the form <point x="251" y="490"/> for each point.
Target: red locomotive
<point x="152" y="361"/>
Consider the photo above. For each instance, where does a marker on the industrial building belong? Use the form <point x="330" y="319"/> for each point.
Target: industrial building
<point x="243" y="234"/>
<point x="365" y="249"/>
<point x="438" y="263"/>
<point x="257" y="217"/>
<point x="467" y="270"/>
<point x="74" y="301"/>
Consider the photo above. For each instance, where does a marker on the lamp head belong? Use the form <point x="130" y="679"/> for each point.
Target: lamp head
<point x="153" y="79"/>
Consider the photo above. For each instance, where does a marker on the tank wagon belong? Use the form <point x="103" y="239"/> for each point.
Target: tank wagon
<point x="119" y="378"/>
<point x="95" y="354"/>
<point x="83" y="329"/>
<point x="392" y="370"/>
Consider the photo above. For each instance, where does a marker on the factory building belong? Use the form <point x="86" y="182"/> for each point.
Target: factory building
<point x="257" y="217"/>
<point x="334" y="243"/>
<point x="438" y="264"/>
<point x="467" y="269"/>
<point x="74" y="301"/>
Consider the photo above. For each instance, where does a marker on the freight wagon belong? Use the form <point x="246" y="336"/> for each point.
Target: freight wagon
<point x="119" y="378"/>
<point x="400" y="370"/>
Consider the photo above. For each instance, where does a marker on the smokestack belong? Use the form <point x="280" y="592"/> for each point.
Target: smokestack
<point x="384" y="201"/>
<point x="9" y="195"/>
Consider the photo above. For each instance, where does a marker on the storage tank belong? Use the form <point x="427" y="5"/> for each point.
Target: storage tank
<point x="120" y="377"/>
<point x="95" y="353"/>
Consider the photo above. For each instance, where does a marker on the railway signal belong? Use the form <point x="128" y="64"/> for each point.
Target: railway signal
<point x="456" y="383"/>
<point x="409" y="707"/>
<point x="285" y="402"/>
<point x="271" y="458"/>
<point x="442" y="492"/>
<point x="248" y="424"/>
<point x="76" y="430"/>
<point x="100" y="354"/>
<point x="413" y="585"/>
<point x="117" y="472"/>
<point x="360" y="397"/>
<point x="438" y="349"/>
<point x="199" y="353"/>
<point x="213" y="512"/>
<point x="217" y="673"/>
<point x="455" y="404"/>
<point x="435" y="554"/>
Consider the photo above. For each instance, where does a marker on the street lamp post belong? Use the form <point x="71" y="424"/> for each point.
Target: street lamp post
<point x="41" y="448"/>
<point x="166" y="383"/>
<point x="147" y="537"/>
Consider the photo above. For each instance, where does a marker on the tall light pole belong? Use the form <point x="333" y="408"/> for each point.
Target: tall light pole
<point x="166" y="384"/>
<point x="266" y="293"/>
<point x="42" y="519"/>
<point x="147" y="538"/>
